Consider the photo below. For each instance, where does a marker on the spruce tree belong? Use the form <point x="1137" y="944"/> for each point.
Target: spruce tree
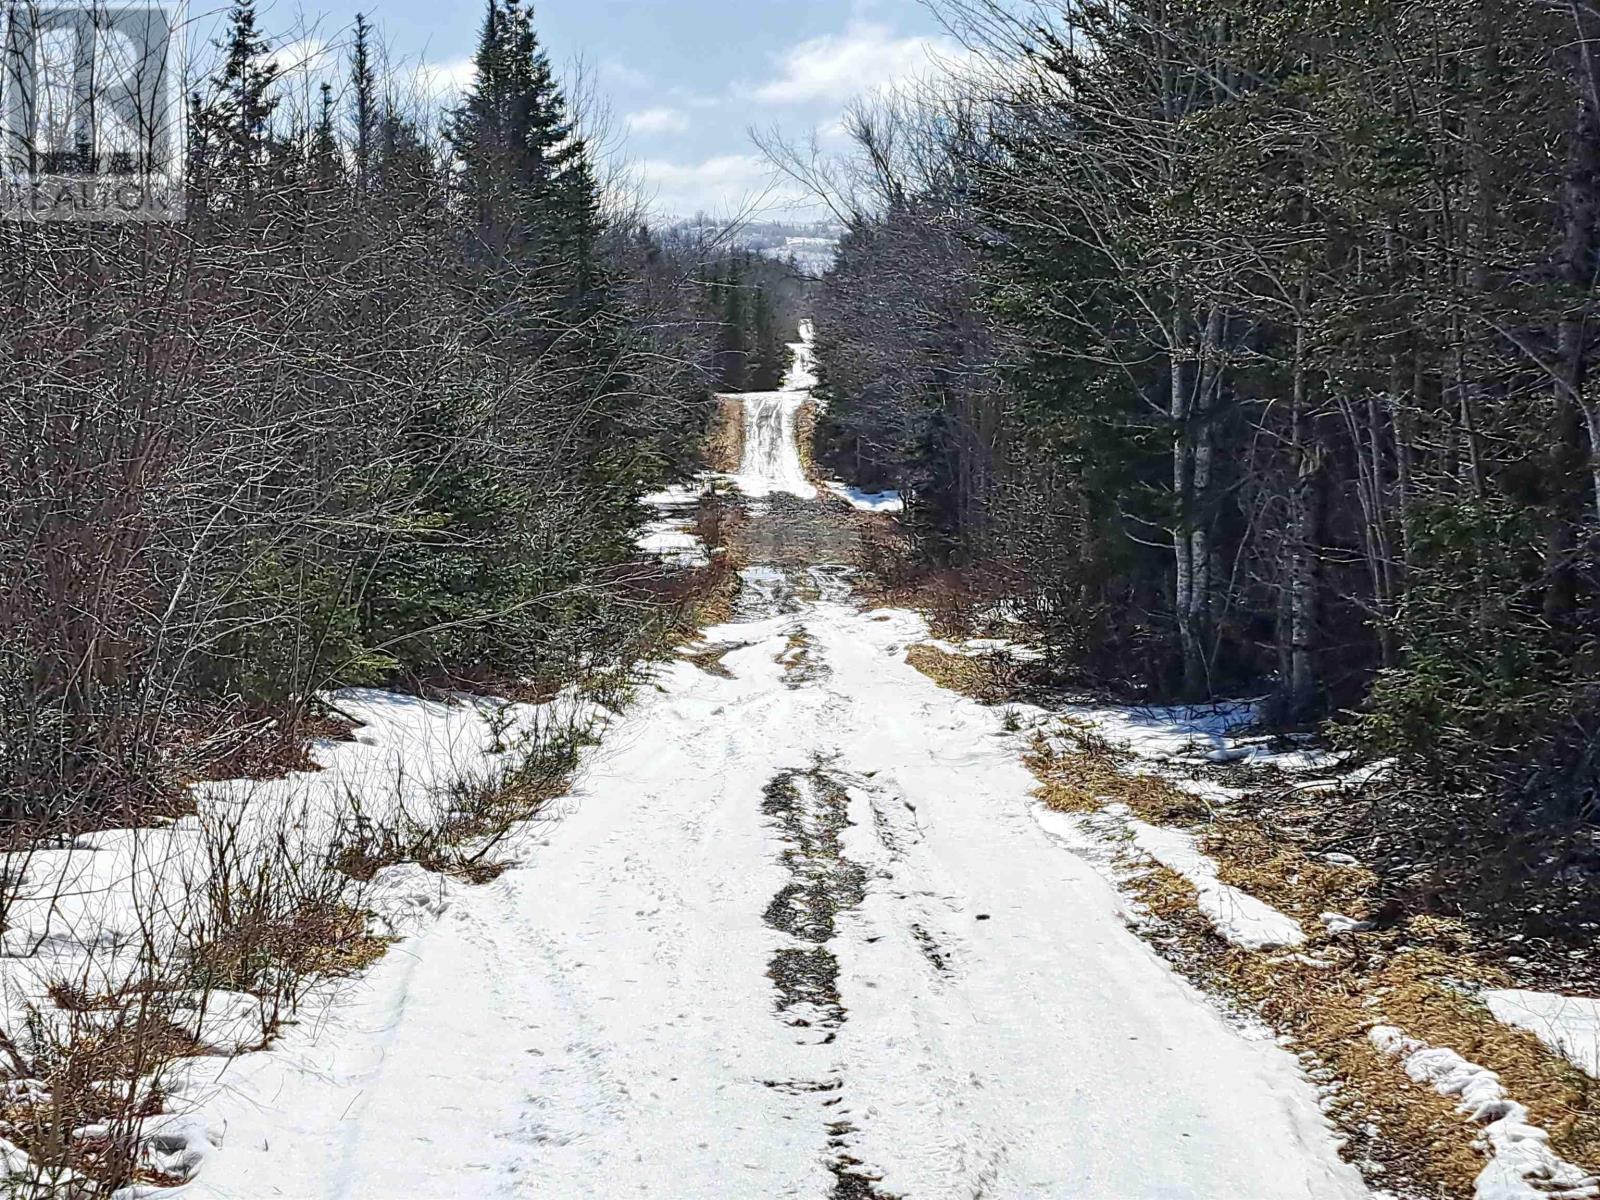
<point x="364" y="89"/>
<point x="232" y="127"/>
<point x="523" y="176"/>
<point x="327" y="171"/>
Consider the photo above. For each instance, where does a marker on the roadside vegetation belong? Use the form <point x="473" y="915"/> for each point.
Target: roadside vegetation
<point x="1236" y="351"/>
<point x="1228" y="354"/>
<point x="376" y="414"/>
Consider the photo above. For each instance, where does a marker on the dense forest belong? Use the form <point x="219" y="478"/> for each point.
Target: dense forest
<point x="377" y="410"/>
<point x="758" y="303"/>
<point x="1246" y="348"/>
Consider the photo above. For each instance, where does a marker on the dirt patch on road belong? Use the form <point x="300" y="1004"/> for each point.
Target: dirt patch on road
<point x="788" y="531"/>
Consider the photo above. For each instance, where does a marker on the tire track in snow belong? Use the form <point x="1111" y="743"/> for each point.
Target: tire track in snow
<point x="811" y="810"/>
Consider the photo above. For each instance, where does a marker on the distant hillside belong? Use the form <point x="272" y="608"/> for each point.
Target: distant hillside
<point x="812" y="245"/>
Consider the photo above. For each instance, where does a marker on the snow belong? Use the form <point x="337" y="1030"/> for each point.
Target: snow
<point x="1166" y="732"/>
<point x="676" y="496"/>
<point x="885" y="502"/>
<point x="97" y="892"/>
<point x="986" y="647"/>
<point x="621" y="1014"/>
<point x="1569" y="1025"/>
<point x="1238" y="917"/>
<point x="87" y="911"/>
<point x="1339" y="924"/>
<point x="803" y="362"/>
<point x="1521" y="1164"/>
<point x="669" y="541"/>
<point x="1184" y="736"/>
<point x="981" y="1020"/>
<point x="604" y="1010"/>
<point x="771" y="460"/>
<point x="671" y="536"/>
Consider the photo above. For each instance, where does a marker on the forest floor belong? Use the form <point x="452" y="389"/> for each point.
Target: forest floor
<point x="812" y="921"/>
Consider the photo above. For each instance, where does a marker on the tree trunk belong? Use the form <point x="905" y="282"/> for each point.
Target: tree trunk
<point x="1305" y="570"/>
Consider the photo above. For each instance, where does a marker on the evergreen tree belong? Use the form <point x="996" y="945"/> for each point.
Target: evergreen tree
<point x="326" y="166"/>
<point x="232" y="125"/>
<point x="734" y="348"/>
<point x="364" y="92"/>
<point x="523" y="177"/>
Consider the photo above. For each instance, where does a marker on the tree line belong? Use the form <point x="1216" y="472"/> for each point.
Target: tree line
<point x="376" y="411"/>
<point x="1249" y="347"/>
<point x="758" y="302"/>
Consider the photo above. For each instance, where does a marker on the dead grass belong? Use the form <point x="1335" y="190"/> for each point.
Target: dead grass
<point x="1419" y="988"/>
<point x="459" y="829"/>
<point x="989" y="678"/>
<point x="1086" y="773"/>
<point x="1284" y="876"/>
<point x="724" y="446"/>
<point x="717" y="523"/>
<point x="948" y="599"/>
<point x="319" y="941"/>
<point x="805" y="438"/>
<point x="1418" y="975"/>
<point x="714" y="604"/>
<point x="710" y="659"/>
<point x="81" y="1104"/>
<point x="1415" y="1135"/>
<point x="678" y="603"/>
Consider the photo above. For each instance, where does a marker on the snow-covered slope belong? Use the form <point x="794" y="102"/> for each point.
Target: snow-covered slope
<point x="771" y="457"/>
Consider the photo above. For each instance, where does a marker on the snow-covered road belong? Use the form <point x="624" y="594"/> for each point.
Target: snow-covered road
<point x="799" y="934"/>
<point x="771" y="461"/>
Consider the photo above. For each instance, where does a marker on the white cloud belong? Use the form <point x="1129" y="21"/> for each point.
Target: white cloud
<point x="620" y="74"/>
<point x="724" y="185"/>
<point x="657" y="120"/>
<point x="446" y="80"/>
<point x="865" y="56"/>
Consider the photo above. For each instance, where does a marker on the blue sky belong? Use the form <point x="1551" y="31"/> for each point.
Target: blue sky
<point x="684" y="79"/>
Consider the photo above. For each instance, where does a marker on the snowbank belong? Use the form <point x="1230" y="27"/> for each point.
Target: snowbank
<point x="674" y="544"/>
<point x="983" y="647"/>
<point x="1569" y="1025"/>
<point x="875" y="502"/>
<point x="671" y="537"/>
<point x="101" y="909"/>
<point x="1239" y="918"/>
<point x="1521" y="1164"/>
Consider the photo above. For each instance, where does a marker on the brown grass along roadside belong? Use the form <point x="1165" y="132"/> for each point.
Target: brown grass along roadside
<point x="724" y="445"/>
<point x="1083" y="773"/>
<point x="1418" y="974"/>
<point x="987" y="678"/>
